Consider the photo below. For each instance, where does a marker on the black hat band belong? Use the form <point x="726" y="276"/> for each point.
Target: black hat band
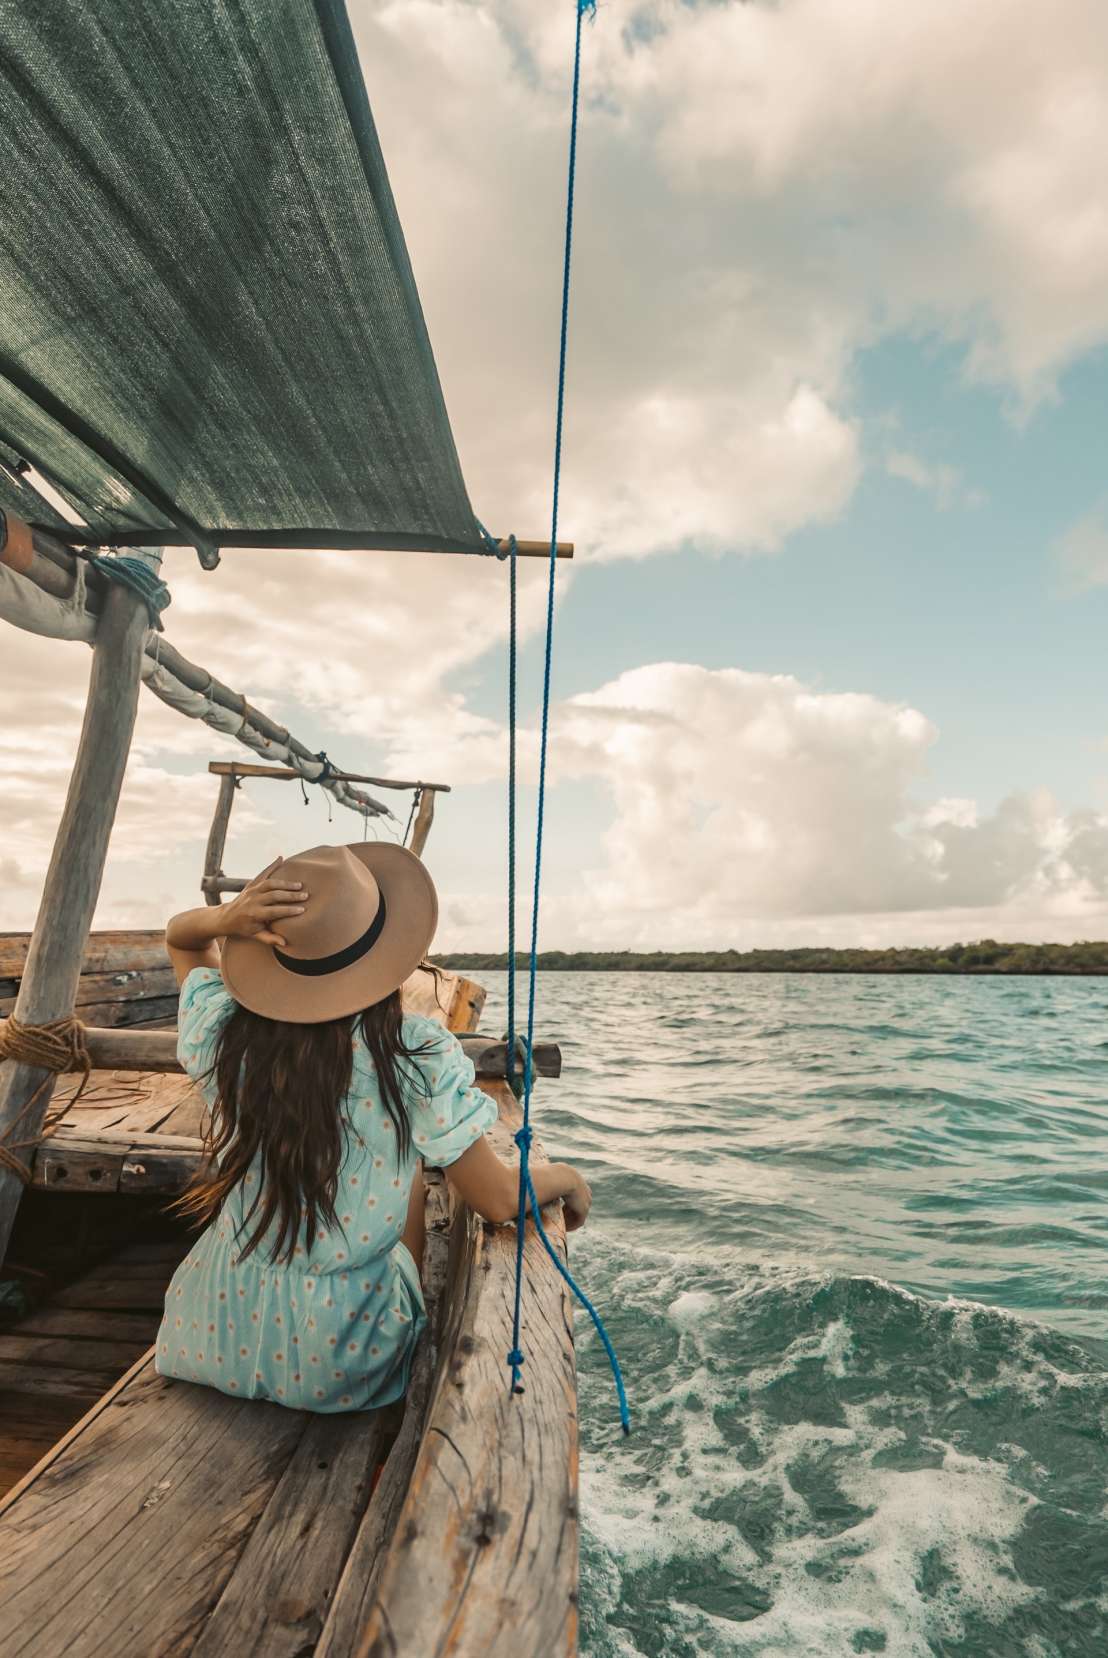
<point x="314" y="967"/>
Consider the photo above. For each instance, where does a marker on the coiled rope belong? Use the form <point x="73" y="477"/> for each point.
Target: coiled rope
<point x="523" y="1137"/>
<point x="57" y="1046"/>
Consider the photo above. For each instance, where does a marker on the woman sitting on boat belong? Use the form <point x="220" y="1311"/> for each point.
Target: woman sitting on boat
<point x="326" y="1098"/>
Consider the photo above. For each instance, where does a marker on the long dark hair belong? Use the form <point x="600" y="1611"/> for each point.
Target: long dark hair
<point x="280" y="1093"/>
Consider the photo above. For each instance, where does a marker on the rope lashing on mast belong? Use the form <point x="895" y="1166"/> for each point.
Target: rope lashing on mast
<point x="524" y="1136"/>
<point x="133" y="573"/>
<point x="57" y="1046"/>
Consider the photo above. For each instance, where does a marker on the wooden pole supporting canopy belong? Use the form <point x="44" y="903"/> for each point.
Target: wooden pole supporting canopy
<point x="80" y="535"/>
<point x="49" y="984"/>
<point x="61" y="543"/>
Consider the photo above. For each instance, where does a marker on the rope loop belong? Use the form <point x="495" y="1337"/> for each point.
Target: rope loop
<point x="57" y="1046"/>
<point x="523" y="1137"/>
<point x="133" y="573"/>
<point x="494" y="548"/>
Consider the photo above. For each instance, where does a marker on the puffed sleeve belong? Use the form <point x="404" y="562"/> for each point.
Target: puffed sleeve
<point x="449" y="1114"/>
<point x="202" y="1011"/>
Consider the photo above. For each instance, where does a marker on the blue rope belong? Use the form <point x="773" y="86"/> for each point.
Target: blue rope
<point x="133" y="573"/>
<point x="514" y="1083"/>
<point x="524" y="1136"/>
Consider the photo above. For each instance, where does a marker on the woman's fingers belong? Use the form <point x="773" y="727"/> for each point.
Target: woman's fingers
<point x="266" y="936"/>
<point x="279" y="895"/>
<point x="259" y="880"/>
<point x="273" y="911"/>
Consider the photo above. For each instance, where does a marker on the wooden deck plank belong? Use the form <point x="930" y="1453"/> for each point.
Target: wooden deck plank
<point x="103" y="1352"/>
<point x="89" y="1323"/>
<point x="33" y="1424"/>
<point x="276" y="1599"/>
<point x="112" y="1160"/>
<point x="124" y="1292"/>
<point x="57" y="1361"/>
<point x="124" y="1541"/>
<point x="60" y="1381"/>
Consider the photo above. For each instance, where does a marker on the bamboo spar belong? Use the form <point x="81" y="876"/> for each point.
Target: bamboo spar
<point x="49" y="985"/>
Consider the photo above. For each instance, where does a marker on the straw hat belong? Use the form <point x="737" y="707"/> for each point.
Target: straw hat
<point x="368" y="922"/>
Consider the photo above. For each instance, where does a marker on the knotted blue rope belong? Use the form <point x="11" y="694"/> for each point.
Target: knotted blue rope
<point x="523" y="1137"/>
<point x="133" y="573"/>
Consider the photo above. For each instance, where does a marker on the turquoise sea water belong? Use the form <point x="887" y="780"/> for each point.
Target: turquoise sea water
<point x="849" y="1235"/>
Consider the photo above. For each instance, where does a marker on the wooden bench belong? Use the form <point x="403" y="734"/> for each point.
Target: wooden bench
<point x="173" y="1519"/>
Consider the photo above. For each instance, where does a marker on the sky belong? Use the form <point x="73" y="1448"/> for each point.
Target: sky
<point x="829" y="662"/>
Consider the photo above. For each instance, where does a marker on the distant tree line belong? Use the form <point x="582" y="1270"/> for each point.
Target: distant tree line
<point x="984" y="956"/>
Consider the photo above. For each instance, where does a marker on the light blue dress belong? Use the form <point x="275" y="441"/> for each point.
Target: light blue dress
<point x="334" y="1330"/>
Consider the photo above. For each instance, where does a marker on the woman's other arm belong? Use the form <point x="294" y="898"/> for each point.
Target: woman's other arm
<point x="491" y="1186"/>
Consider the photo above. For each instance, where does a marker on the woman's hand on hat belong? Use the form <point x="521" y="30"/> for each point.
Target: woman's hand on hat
<point x="262" y="905"/>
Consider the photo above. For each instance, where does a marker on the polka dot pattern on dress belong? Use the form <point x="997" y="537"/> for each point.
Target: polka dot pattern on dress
<point x="333" y="1327"/>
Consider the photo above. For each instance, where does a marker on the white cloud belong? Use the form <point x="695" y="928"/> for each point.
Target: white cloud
<point x="939" y="479"/>
<point x="952" y="164"/>
<point x="165" y="805"/>
<point x="763" y="190"/>
<point x="1082" y="552"/>
<point x="748" y="807"/>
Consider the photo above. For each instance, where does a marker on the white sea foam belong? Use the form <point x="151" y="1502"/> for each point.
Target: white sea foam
<point x="931" y="1546"/>
<point x="690" y="1306"/>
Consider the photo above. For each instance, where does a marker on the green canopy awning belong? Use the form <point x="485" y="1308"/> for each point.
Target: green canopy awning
<point x="209" y="329"/>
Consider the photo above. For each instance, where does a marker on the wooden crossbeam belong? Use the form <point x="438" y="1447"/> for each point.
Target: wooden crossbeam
<point x="156" y="1050"/>
<point x="285" y="774"/>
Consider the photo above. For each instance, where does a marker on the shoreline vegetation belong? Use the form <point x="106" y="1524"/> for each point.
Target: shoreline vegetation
<point x="984" y="956"/>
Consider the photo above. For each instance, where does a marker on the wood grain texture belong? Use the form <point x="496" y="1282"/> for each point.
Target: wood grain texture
<point x="134" y="1328"/>
<point x="103" y="1352"/>
<point x="278" y="1595"/>
<point x="424" y="818"/>
<point x="156" y="1051"/>
<point x="174" y="1520"/>
<point x="142" y="1102"/>
<point x="485" y="1549"/>
<point x="285" y="774"/>
<point x="467" y="1006"/>
<point x="84" y="1383"/>
<point x="59" y="1361"/>
<point x="120" y="1011"/>
<point x="217" y="835"/>
<point x="109" y="1160"/>
<point x="135" y="985"/>
<point x="353" y="1597"/>
<point x="105" y="952"/>
<point x="53" y="965"/>
<point x="124" y="1542"/>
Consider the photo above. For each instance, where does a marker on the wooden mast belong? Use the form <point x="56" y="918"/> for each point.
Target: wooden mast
<point x="424" y="818"/>
<point x="49" y="982"/>
<point x="217" y="839"/>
